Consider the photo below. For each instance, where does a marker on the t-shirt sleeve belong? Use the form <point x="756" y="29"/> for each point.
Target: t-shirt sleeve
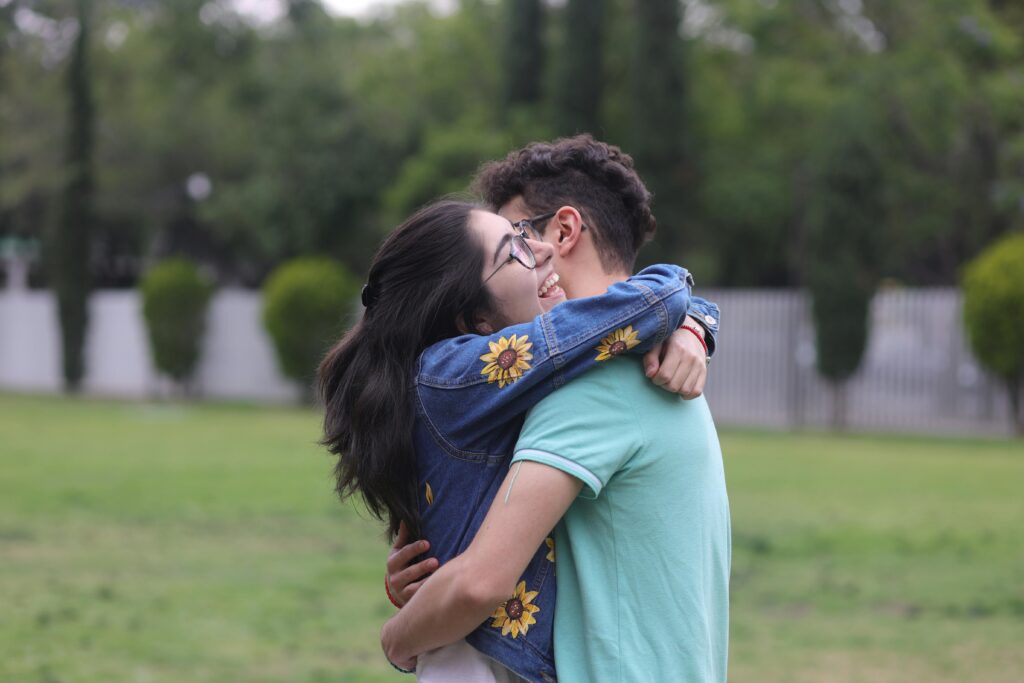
<point x="582" y="430"/>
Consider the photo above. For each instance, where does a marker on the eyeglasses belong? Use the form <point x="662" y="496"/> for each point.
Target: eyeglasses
<point x="518" y="250"/>
<point x="530" y="223"/>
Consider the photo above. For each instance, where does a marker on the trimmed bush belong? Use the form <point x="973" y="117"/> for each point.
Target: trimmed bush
<point x="174" y="302"/>
<point x="993" y="286"/>
<point x="305" y="302"/>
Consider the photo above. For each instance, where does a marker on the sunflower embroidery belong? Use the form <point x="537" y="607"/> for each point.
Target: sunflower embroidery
<point x="619" y="341"/>
<point x="550" y="543"/>
<point x="516" y="614"/>
<point x="507" y="360"/>
<point x="429" y="494"/>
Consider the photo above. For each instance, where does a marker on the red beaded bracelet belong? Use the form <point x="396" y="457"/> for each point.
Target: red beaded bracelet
<point x="696" y="334"/>
<point x="387" y="589"/>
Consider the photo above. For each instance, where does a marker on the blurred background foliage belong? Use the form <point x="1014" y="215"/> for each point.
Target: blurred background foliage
<point x="785" y="141"/>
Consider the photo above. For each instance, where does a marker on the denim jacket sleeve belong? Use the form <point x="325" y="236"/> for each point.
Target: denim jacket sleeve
<point x="707" y="314"/>
<point x="470" y="386"/>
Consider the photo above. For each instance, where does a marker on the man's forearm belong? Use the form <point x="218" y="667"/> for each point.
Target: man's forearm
<point x="446" y="608"/>
<point x="466" y="590"/>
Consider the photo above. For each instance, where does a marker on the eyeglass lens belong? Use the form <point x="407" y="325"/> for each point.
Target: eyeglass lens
<point x="520" y="251"/>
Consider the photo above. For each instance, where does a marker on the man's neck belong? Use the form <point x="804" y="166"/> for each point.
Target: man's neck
<point x="590" y="282"/>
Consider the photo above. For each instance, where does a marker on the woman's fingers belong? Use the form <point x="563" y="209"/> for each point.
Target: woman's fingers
<point x="401" y="557"/>
<point x="413" y="576"/>
<point x="403" y="536"/>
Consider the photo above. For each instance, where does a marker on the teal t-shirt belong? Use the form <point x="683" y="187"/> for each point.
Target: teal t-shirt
<point x="643" y="554"/>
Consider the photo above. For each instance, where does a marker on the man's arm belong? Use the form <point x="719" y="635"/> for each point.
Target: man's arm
<point x="466" y="590"/>
<point x="677" y="365"/>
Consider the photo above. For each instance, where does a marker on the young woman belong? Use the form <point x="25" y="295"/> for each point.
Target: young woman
<point x="425" y="396"/>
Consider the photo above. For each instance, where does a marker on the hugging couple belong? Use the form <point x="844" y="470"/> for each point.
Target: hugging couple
<point x="527" y="417"/>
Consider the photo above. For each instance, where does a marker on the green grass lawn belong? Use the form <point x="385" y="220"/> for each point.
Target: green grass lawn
<point x="191" y="544"/>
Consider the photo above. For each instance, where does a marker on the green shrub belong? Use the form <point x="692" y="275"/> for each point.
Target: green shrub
<point x="174" y="302"/>
<point x="993" y="287"/>
<point x="840" y="306"/>
<point x="305" y="302"/>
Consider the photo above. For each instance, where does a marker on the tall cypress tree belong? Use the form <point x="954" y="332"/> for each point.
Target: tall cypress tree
<point x="581" y="68"/>
<point x="657" y="138"/>
<point x="523" y="58"/>
<point x="845" y="245"/>
<point x="70" y="243"/>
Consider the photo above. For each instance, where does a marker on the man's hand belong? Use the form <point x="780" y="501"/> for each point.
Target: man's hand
<point x="386" y="644"/>
<point x="404" y="578"/>
<point x="679" y="364"/>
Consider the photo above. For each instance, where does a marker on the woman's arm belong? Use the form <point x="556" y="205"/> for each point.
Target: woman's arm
<point x="706" y="314"/>
<point x="466" y="590"/>
<point x="470" y="385"/>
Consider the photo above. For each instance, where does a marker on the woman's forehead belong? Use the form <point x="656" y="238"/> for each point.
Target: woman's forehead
<point x="491" y="225"/>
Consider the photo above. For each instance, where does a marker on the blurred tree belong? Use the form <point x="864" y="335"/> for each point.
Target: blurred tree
<point x="33" y="118"/>
<point x="658" y="125"/>
<point x="444" y="165"/>
<point x="993" y="285"/>
<point x="313" y="182"/>
<point x="580" y="69"/>
<point x="845" y="241"/>
<point x="70" y="244"/>
<point x="240" y="144"/>
<point x="523" y="52"/>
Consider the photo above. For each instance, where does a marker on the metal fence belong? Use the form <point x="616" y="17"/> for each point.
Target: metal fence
<point x="917" y="374"/>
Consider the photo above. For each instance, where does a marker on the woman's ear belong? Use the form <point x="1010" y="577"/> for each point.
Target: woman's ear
<point x="480" y="325"/>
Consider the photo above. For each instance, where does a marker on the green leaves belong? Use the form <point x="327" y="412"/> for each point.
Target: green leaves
<point x="174" y="302"/>
<point x="993" y="287"/>
<point x="304" y="303"/>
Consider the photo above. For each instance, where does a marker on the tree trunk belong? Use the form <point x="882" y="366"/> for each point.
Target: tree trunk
<point x="839" y="406"/>
<point x="1013" y="387"/>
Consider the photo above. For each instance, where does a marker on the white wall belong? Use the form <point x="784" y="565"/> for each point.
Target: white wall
<point x="237" y="359"/>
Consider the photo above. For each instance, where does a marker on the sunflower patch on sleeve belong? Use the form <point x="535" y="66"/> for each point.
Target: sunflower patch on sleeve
<point x="616" y="343"/>
<point x="508" y="360"/>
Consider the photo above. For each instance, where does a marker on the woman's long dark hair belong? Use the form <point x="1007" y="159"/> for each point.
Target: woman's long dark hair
<point x="424" y="280"/>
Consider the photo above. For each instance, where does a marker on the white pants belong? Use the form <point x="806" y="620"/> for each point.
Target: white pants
<point x="461" y="663"/>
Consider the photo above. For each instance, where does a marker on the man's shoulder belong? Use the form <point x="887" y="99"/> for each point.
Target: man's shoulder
<point x="587" y="428"/>
<point x="601" y="386"/>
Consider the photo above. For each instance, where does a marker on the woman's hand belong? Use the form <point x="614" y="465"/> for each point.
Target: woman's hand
<point x="679" y="364"/>
<point x="403" y="576"/>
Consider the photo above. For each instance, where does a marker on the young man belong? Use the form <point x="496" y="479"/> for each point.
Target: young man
<point x="632" y="476"/>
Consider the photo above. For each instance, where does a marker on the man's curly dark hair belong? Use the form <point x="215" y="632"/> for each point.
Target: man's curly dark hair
<point x="596" y="178"/>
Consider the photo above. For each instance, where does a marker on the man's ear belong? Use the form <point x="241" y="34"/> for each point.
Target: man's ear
<point x="569" y="224"/>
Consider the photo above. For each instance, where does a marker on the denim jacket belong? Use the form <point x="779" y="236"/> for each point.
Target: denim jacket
<point x="472" y="394"/>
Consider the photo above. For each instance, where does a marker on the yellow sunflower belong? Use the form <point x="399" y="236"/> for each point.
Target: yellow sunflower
<point x="550" y="542"/>
<point x="507" y="360"/>
<point x="619" y="341"/>
<point x="516" y="614"/>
